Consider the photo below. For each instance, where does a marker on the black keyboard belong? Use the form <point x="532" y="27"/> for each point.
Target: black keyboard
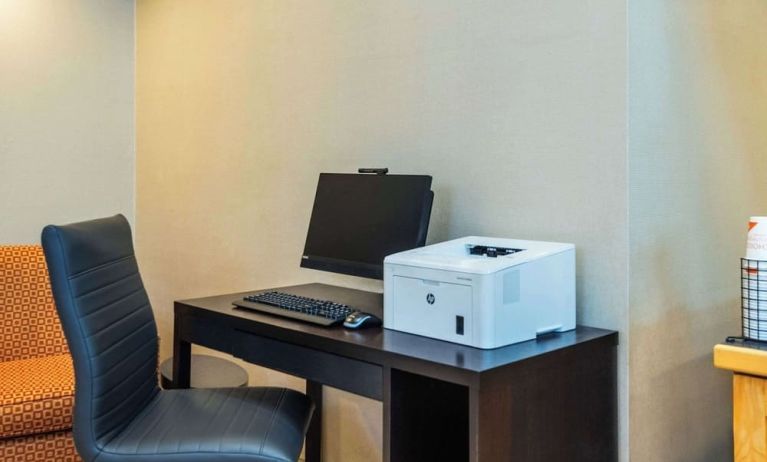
<point x="322" y="312"/>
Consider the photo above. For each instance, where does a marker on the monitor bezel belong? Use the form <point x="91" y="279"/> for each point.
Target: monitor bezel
<point x="362" y="269"/>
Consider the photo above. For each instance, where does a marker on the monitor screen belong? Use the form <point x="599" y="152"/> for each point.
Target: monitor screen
<point x="359" y="219"/>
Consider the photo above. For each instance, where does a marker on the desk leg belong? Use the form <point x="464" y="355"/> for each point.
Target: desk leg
<point x="313" y="451"/>
<point x="387" y="414"/>
<point x="560" y="407"/>
<point x="182" y="356"/>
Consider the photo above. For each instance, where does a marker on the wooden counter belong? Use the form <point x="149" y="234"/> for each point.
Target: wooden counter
<point x="748" y="362"/>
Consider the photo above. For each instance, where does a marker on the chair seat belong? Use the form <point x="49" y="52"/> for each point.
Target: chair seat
<point x="225" y="424"/>
<point x="36" y="395"/>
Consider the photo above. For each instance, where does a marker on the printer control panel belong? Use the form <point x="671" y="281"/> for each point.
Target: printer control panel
<point x="492" y="252"/>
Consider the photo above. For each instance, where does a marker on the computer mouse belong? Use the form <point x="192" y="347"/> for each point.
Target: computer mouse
<point x="359" y="319"/>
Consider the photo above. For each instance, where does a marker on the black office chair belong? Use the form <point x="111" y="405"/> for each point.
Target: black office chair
<point x="120" y="413"/>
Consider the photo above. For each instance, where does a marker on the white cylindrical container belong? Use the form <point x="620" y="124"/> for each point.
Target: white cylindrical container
<point x="756" y="244"/>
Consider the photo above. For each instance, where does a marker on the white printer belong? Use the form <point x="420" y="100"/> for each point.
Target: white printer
<point x="481" y="291"/>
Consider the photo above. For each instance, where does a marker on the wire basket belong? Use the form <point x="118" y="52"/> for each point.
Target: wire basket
<point x="753" y="284"/>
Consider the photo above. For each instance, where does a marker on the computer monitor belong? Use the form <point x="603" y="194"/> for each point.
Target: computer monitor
<point x="358" y="219"/>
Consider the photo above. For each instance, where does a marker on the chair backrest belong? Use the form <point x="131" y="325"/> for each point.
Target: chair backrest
<point x="108" y="323"/>
<point x="29" y="325"/>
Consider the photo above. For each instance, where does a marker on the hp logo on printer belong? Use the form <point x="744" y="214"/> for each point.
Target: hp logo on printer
<point x="430" y="299"/>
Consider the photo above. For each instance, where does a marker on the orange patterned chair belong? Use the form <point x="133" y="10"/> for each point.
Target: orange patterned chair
<point x="36" y="377"/>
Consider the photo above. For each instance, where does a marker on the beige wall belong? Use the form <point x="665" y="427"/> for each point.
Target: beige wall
<point x="698" y="169"/>
<point x="516" y="108"/>
<point x="66" y="113"/>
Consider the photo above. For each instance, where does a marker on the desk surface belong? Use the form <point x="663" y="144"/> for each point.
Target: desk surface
<point x="378" y="342"/>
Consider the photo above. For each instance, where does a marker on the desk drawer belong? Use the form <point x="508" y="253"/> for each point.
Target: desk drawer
<point x="206" y="332"/>
<point x="336" y="371"/>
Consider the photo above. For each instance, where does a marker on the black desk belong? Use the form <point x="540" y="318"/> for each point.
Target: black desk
<point x="551" y="399"/>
